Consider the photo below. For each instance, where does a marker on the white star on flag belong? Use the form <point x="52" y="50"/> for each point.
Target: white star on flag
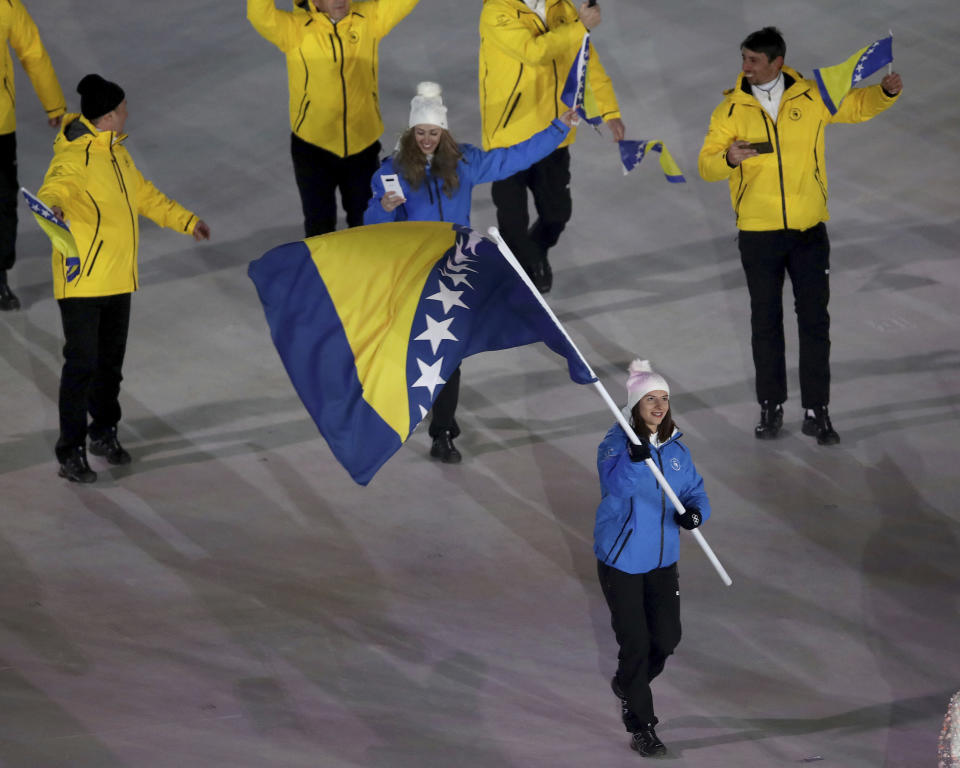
<point x="429" y="375"/>
<point x="456" y="277"/>
<point x="448" y="298"/>
<point x="437" y="331"/>
<point x="473" y="239"/>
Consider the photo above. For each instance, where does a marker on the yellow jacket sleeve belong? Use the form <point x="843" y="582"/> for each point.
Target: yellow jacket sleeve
<point x="66" y="180"/>
<point x="166" y="212"/>
<point x="712" y="162"/>
<point x="279" y="27"/>
<point x="602" y="87"/>
<point x="514" y="39"/>
<point x="392" y="12"/>
<point x="861" y="104"/>
<point x="25" y="40"/>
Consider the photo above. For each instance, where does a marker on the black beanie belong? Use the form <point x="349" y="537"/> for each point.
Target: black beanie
<point x="98" y="96"/>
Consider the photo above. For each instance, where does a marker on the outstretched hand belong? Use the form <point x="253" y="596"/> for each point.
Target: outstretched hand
<point x="617" y="128"/>
<point x="201" y="231"/>
<point x="892" y="83"/>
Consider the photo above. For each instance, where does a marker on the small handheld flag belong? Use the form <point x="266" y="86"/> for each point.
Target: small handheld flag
<point x="577" y="93"/>
<point x="836" y="81"/>
<point x="370" y="323"/>
<point x="58" y="232"/>
<point x="632" y="152"/>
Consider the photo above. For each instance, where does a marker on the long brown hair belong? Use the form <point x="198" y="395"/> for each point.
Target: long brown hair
<point x="664" y="429"/>
<point x="412" y="163"/>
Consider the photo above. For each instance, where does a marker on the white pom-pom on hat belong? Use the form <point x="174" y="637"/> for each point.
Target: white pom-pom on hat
<point x="641" y="378"/>
<point x="426" y="108"/>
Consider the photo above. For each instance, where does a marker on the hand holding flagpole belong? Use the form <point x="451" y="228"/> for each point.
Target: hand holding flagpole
<point x="651" y="465"/>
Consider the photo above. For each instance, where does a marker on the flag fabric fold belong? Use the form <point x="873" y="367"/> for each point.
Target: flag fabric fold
<point x="835" y="82"/>
<point x="632" y="152"/>
<point x="58" y="232"/>
<point x="370" y="323"/>
<point x="577" y="93"/>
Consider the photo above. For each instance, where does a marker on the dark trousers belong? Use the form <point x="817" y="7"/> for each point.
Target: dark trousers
<point x="645" y="615"/>
<point x="95" y="330"/>
<point x="805" y="256"/>
<point x="9" y="190"/>
<point x="320" y="173"/>
<point x="445" y="407"/>
<point x="549" y="181"/>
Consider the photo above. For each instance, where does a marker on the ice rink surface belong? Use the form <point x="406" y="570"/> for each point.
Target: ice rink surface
<point x="233" y="599"/>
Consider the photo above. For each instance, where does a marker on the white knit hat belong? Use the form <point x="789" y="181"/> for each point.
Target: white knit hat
<point x="642" y="379"/>
<point x="426" y="108"/>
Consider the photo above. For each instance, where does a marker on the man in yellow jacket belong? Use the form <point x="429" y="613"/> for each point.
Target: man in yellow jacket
<point x="766" y="139"/>
<point x="526" y="50"/>
<point x="18" y="29"/>
<point x="332" y="67"/>
<point x="94" y="186"/>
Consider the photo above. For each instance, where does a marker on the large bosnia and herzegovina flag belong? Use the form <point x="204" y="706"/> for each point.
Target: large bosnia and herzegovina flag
<point x="835" y="82"/>
<point x="370" y="322"/>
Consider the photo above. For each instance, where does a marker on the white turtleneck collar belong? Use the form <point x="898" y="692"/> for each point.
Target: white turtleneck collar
<point x="769" y="94"/>
<point x="539" y="7"/>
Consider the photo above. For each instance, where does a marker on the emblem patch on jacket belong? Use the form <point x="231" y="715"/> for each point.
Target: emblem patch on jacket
<point x="675" y="464"/>
<point x="795" y="113"/>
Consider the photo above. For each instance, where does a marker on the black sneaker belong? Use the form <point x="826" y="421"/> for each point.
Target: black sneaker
<point x="444" y="449"/>
<point x="630" y="720"/>
<point x="8" y="299"/>
<point x="816" y="423"/>
<point x="771" y="419"/>
<point x="74" y="467"/>
<point x="647" y="743"/>
<point x="109" y="447"/>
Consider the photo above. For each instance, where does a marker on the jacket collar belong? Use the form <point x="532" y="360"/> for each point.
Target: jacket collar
<point x="75" y="127"/>
<point x="793" y="85"/>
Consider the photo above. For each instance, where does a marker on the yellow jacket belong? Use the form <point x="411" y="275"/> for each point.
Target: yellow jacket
<point x="786" y="188"/>
<point x="524" y="64"/>
<point x="93" y="179"/>
<point x="17" y="28"/>
<point x="332" y="68"/>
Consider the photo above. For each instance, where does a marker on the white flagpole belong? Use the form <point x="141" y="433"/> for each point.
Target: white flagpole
<point x="890" y="63"/>
<point x="651" y="465"/>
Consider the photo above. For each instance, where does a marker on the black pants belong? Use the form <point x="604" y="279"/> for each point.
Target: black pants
<point x="9" y="190"/>
<point x="95" y="330"/>
<point x="549" y="181"/>
<point x="445" y="407"/>
<point x="320" y="173"/>
<point x="805" y="256"/>
<point x="645" y="615"/>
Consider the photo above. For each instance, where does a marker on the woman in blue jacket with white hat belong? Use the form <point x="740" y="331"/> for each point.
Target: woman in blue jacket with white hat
<point x="636" y="541"/>
<point x="436" y="176"/>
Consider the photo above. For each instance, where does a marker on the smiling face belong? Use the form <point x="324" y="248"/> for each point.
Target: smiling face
<point x="428" y="137"/>
<point x="653" y="407"/>
<point x="757" y="69"/>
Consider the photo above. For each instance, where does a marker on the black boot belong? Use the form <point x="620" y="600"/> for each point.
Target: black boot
<point x="816" y="422"/>
<point x="8" y="299"/>
<point x="74" y="467"/>
<point x="647" y="743"/>
<point x="108" y="446"/>
<point x="630" y="720"/>
<point x="771" y="419"/>
<point x="444" y="449"/>
<point x="545" y="282"/>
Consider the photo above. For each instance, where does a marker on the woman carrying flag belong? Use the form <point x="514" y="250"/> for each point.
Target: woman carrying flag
<point x="435" y="176"/>
<point x="637" y="542"/>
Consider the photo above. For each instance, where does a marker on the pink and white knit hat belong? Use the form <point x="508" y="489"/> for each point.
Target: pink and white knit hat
<point x="640" y="380"/>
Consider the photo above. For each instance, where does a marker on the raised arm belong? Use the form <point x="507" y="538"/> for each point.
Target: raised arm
<point x="507" y="32"/>
<point x="501" y="163"/>
<point x="861" y="104"/>
<point x="279" y="27"/>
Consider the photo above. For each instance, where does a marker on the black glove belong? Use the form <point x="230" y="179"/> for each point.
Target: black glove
<point x="689" y="520"/>
<point x="638" y="452"/>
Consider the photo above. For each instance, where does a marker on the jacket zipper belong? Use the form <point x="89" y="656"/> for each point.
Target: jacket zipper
<point x="622" y="528"/>
<point x="816" y="166"/>
<point x="8" y="89"/>
<point x="439" y="198"/>
<point x="504" y="117"/>
<point x="96" y="232"/>
<point x="133" y="223"/>
<point x="343" y="88"/>
<point x="663" y="509"/>
<point x="776" y="138"/>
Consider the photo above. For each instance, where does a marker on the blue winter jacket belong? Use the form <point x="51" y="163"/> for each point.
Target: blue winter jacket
<point x="635" y="531"/>
<point x="430" y="202"/>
